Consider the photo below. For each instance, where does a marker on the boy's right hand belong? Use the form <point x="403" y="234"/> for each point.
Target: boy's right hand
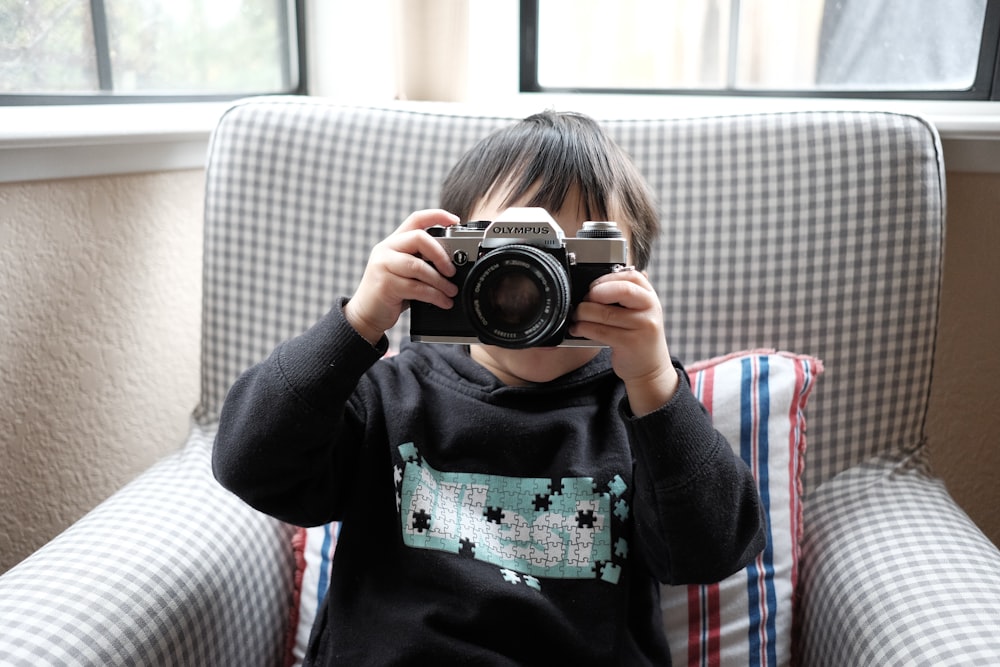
<point x="407" y="265"/>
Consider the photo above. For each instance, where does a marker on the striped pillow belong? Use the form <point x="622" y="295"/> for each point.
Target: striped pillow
<point x="757" y="400"/>
<point x="313" y="549"/>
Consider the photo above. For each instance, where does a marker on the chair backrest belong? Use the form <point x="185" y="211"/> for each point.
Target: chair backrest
<point x="813" y="232"/>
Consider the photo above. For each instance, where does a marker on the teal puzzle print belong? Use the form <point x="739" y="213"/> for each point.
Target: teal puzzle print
<point x="536" y="527"/>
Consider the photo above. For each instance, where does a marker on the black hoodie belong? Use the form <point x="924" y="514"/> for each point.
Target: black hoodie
<point x="484" y="524"/>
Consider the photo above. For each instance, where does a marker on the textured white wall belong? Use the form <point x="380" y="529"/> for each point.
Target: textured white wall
<point x="100" y="282"/>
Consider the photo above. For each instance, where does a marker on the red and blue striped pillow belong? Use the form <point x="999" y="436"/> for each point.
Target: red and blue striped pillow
<point x="757" y="400"/>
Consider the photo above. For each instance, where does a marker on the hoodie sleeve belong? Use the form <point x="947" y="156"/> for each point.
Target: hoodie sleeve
<point x="698" y="513"/>
<point x="275" y="447"/>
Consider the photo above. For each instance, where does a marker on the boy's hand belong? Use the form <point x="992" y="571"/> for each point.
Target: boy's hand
<point x="623" y="311"/>
<point x="398" y="272"/>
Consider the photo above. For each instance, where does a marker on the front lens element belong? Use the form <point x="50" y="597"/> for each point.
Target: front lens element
<point x="517" y="296"/>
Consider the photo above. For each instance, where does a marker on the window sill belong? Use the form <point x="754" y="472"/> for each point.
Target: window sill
<point x="51" y="142"/>
<point x="45" y="143"/>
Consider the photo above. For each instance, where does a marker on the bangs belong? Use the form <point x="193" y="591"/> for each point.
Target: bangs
<point x="543" y="160"/>
<point x="558" y="158"/>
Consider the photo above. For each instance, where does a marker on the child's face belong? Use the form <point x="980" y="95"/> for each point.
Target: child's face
<point x="535" y="364"/>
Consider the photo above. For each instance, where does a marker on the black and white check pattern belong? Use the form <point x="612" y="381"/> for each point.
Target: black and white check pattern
<point x="894" y="573"/>
<point x="295" y="202"/>
<point x="819" y="233"/>
<point x="171" y="570"/>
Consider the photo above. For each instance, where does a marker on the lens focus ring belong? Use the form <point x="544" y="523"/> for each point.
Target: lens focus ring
<point x="517" y="296"/>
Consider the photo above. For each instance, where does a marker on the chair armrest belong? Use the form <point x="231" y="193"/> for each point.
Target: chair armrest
<point x="893" y="572"/>
<point x="172" y="569"/>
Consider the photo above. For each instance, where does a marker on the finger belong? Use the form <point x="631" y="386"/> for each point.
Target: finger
<point x="629" y="334"/>
<point x="393" y="281"/>
<point x="428" y="218"/>
<point x="627" y="293"/>
<point x="416" y="290"/>
<point x="607" y="316"/>
<point x="424" y="247"/>
<point x="627" y="274"/>
<point x="410" y="267"/>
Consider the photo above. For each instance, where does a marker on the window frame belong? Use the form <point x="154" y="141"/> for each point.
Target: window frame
<point x="296" y="71"/>
<point x="985" y="86"/>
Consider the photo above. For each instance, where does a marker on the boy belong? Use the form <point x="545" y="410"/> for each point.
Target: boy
<point x="498" y="506"/>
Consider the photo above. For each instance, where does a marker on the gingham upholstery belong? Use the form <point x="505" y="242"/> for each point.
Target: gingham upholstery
<point x="171" y="570"/>
<point x="814" y="232"/>
<point x="820" y="233"/>
<point x="894" y="573"/>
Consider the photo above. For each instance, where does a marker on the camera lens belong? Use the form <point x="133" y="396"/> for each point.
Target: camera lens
<point x="517" y="296"/>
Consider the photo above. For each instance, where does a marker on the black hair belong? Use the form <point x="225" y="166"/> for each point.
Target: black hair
<point x="551" y="153"/>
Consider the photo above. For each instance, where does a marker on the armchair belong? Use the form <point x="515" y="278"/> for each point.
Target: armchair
<point x="817" y="232"/>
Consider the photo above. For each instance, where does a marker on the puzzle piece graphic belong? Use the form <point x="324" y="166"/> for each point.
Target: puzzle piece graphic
<point x="494" y="515"/>
<point x="621" y="510"/>
<point x="617" y="486"/>
<point x="611" y="573"/>
<point x="510" y="576"/>
<point x="409" y="453"/>
<point x="421" y="521"/>
<point x="621" y="548"/>
<point x="467" y="548"/>
<point x="532" y="528"/>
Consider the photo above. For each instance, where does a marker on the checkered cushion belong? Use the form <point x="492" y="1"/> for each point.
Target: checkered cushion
<point x="894" y="573"/>
<point x="816" y="232"/>
<point x="172" y="570"/>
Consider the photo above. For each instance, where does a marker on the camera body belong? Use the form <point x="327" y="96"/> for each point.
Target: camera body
<point x="518" y="279"/>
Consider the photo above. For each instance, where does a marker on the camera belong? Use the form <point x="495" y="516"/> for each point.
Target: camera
<point x="518" y="279"/>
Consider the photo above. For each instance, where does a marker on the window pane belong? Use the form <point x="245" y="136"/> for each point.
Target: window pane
<point x="46" y="46"/>
<point x="760" y="44"/>
<point x="776" y="44"/>
<point x="633" y="43"/>
<point x="893" y="44"/>
<point x="146" y="47"/>
<point x="197" y="45"/>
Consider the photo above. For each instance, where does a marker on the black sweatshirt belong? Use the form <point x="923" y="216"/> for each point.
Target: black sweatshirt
<point x="484" y="524"/>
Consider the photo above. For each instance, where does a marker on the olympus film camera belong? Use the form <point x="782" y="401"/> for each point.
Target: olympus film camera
<point x="518" y="278"/>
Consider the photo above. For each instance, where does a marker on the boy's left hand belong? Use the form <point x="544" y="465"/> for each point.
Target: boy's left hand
<point x="622" y="310"/>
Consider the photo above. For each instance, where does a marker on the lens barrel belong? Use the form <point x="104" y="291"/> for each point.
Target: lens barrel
<point x="517" y="297"/>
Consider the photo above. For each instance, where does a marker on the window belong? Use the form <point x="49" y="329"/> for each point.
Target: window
<point x="930" y="49"/>
<point x="73" y="51"/>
